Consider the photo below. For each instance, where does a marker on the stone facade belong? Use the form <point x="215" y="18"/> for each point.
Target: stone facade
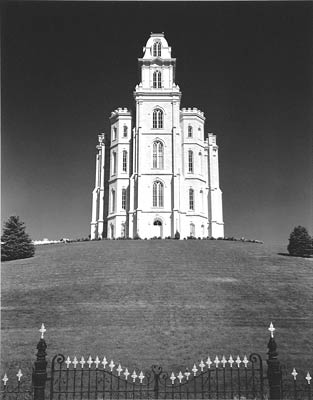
<point x="156" y="174"/>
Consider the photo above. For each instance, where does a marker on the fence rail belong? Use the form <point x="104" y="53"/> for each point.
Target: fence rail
<point x="239" y="378"/>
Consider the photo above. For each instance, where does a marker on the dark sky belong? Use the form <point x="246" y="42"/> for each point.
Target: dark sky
<point x="246" y="65"/>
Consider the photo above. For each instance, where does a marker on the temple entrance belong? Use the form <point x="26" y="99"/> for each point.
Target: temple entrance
<point x="157" y="228"/>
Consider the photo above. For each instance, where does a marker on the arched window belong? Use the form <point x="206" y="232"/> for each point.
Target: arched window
<point x="157" y="79"/>
<point x="112" y="231"/>
<point x="113" y="201"/>
<point x="114" y="163"/>
<point x="189" y="131"/>
<point x="192" y="230"/>
<point x="157" y="120"/>
<point x="190" y="161"/>
<point x="158" y="155"/>
<point x="124" y="199"/>
<point x="191" y="199"/>
<point x="202" y="230"/>
<point x="125" y="131"/>
<point x="157" y="194"/>
<point x="201" y="163"/>
<point x="157" y="49"/>
<point x="114" y="133"/>
<point x="124" y="161"/>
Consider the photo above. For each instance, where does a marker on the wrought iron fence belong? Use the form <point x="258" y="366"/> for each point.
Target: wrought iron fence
<point x="218" y="379"/>
<point x="239" y="378"/>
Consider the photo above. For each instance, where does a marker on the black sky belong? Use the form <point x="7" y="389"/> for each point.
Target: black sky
<point x="247" y="65"/>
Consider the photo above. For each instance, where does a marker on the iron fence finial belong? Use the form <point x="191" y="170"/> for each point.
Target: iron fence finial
<point x="42" y="330"/>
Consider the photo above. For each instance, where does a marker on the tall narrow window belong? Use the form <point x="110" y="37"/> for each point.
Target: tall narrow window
<point x="125" y="131"/>
<point x="158" y="194"/>
<point x="123" y="230"/>
<point x="157" y="120"/>
<point x="191" y="199"/>
<point x="192" y="230"/>
<point x="158" y="155"/>
<point x="113" y="201"/>
<point x="189" y="131"/>
<point x="114" y="133"/>
<point x="157" y="82"/>
<point x="202" y="203"/>
<point x="190" y="161"/>
<point x="201" y="163"/>
<point x="114" y="163"/>
<point x="124" y="161"/>
<point x="157" y="49"/>
<point x="124" y="199"/>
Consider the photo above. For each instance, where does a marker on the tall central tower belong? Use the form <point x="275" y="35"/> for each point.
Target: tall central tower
<point x="163" y="174"/>
<point x="157" y="100"/>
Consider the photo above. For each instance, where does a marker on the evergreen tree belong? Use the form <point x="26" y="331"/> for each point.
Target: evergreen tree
<point x="300" y="242"/>
<point x="15" y="242"/>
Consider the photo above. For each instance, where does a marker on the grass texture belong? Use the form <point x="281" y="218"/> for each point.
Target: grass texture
<point x="165" y="302"/>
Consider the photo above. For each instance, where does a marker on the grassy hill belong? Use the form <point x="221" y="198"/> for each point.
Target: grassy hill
<point x="167" y="302"/>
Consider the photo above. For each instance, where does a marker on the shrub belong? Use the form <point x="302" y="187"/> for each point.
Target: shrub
<point x="300" y="242"/>
<point x="177" y="235"/>
<point x="15" y="241"/>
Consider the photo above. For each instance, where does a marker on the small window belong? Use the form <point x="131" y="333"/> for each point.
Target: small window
<point x="124" y="199"/>
<point x="190" y="161"/>
<point x="125" y="131"/>
<point x="191" y="199"/>
<point x="189" y="131"/>
<point x="158" y="156"/>
<point x="124" y="169"/>
<point x="157" y="195"/>
<point x="157" y="119"/>
<point x="157" y="49"/>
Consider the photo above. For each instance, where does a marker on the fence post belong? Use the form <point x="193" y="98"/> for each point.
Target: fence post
<point x="39" y="376"/>
<point x="274" y="374"/>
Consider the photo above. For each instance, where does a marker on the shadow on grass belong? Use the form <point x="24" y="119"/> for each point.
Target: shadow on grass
<point x="291" y="255"/>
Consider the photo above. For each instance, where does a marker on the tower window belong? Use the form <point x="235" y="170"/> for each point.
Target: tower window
<point x="113" y="201"/>
<point x="156" y="49"/>
<point x="157" y="79"/>
<point x="125" y="131"/>
<point x="124" y="199"/>
<point x="189" y="131"/>
<point x="124" y="169"/>
<point x="114" y="133"/>
<point x="191" y="199"/>
<point x="190" y="161"/>
<point x="157" y="119"/>
<point x="158" y="194"/>
<point x="158" y="155"/>
<point x="114" y="163"/>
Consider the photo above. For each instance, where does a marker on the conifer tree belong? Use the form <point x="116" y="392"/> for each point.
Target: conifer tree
<point x="15" y="242"/>
<point x="300" y="242"/>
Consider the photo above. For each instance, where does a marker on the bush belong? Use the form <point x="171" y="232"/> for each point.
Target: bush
<point x="15" y="241"/>
<point x="177" y="235"/>
<point x="300" y="242"/>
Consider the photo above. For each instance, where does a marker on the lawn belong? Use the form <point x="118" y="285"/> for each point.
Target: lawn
<point x="167" y="302"/>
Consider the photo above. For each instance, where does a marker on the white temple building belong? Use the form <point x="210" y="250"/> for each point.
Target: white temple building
<point x="157" y="174"/>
